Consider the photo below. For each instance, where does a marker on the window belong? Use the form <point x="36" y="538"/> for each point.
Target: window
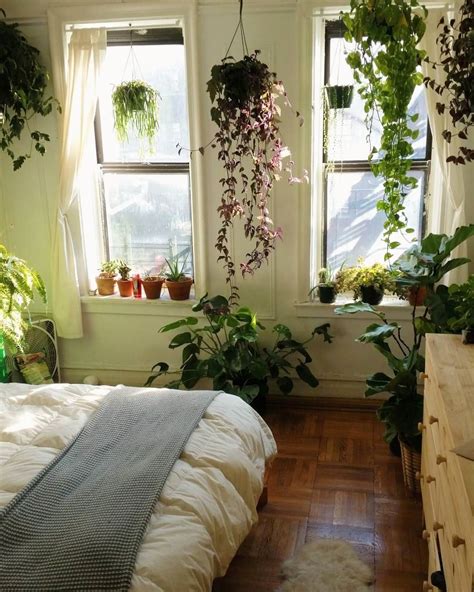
<point x="352" y="227"/>
<point x="146" y="197"/>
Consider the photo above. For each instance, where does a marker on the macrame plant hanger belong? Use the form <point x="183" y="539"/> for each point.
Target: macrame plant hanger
<point x="240" y="27"/>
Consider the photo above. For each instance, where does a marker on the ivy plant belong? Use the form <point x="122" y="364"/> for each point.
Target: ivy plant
<point x="23" y="83"/>
<point x="456" y="56"/>
<point x="385" y="62"/>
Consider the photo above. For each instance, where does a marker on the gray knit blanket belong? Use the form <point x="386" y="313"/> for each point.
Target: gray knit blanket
<point x="79" y="524"/>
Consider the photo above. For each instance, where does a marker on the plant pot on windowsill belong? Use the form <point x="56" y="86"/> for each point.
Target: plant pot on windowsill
<point x="152" y="286"/>
<point x="371" y="295"/>
<point x="181" y="289"/>
<point x="105" y="285"/>
<point x="125" y="288"/>
<point x="326" y="293"/>
<point x="339" y="96"/>
<point x="417" y="295"/>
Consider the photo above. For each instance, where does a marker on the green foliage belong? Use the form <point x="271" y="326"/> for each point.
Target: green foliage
<point x="352" y="279"/>
<point x="23" y="82"/>
<point x="18" y="284"/>
<point x="451" y="309"/>
<point x="135" y="105"/>
<point x="227" y="351"/>
<point x="123" y="269"/>
<point x="456" y="56"/>
<point x="109" y="268"/>
<point x="175" y="271"/>
<point x="385" y="65"/>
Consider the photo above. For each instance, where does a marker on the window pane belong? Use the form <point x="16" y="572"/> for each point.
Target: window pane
<point x="347" y="134"/>
<point x="163" y="67"/>
<point x="148" y="218"/>
<point x="355" y="227"/>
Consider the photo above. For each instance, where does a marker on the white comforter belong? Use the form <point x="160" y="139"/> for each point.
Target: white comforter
<point x="208" y="503"/>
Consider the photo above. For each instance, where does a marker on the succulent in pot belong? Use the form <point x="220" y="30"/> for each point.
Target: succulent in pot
<point x="125" y="283"/>
<point x="177" y="282"/>
<point x="152" y="285"/>
<point x="326" y="288"/>
<point x="106" y="278"/>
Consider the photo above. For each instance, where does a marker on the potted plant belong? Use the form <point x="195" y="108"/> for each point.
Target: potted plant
<point x="456" y="56"/>
<point x="18" y="284"/>
<point x="178" y="284"/>
<point x="462" y="301"/>
<point x="385" y="63"/>
<point x="326" y="288"/>
<point x="368" y="283"/>
<point x="135" y="107"/>
<point x="23" y="84"/>
<point x="152" y="285"/>
<point x="227" y="350"/>
<point x="339" y="96"/>
<point x="125" y="283"/>
<point x="106" y="279"/>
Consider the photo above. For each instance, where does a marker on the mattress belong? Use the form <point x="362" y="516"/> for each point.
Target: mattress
<point x="208" y="503"/>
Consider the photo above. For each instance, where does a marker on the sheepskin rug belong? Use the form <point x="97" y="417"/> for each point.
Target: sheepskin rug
<point x="326" y="566"/>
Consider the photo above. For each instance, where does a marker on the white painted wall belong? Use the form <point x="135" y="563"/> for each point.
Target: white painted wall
<point x="120" y="340"/>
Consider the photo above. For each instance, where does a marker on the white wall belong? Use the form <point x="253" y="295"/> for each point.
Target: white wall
<point x="120" y="340"/>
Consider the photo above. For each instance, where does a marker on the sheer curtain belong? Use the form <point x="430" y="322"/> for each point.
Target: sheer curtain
<point x="448" y="184"/>
<point x="86" y="52"/>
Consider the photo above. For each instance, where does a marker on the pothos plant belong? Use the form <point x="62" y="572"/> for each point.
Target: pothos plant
<point x="245" y="96"/>
<point x="456" y="57"/>
<point x="385" y="62"/>
<point x="23" y="83"/>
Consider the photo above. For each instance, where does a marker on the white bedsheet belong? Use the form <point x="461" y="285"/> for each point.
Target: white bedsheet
<point x="207" y="506"/>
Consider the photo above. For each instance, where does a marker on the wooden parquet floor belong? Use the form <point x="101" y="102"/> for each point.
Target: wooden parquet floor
<point x="334" y="477"/>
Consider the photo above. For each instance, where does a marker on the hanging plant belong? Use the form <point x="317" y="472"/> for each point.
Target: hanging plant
<point x="385" y="65"/>
<point x="245" y="98"/>
<point x="135" y="108"/>
<point x="456" y="55"/>
<point x="339" y="96"/>
<point x="23" y="82"/>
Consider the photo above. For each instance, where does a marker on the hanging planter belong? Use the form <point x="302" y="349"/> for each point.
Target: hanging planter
<point x="23" y="83"/>
<point x="135" y="108"/>
<point x="339" y="96"/>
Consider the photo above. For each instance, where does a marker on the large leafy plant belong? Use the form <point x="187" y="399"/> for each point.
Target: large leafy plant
<point x="23" y="83"/>
<point x="18" y="284"/>
<point x="385" y="63"/>
<point x="227" y="350"/>
<point x="456" y="57"/>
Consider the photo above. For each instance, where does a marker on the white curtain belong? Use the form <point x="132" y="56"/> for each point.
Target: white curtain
<point x="447" y="208"/>
<point x="86" y="52"/>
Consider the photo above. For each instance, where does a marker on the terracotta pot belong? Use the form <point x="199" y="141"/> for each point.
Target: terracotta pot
<point x="125" y="288"/>
<point x="417" y="295"/>
<point x="105" y="285"/>
<point x="371" y="295"/>
<point x="152" y="288"/>
<point x="179" y="290"/>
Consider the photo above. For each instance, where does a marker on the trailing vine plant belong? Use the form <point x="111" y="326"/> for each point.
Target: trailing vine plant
<point x="385" y="63"/>
<point x="23" y="83"/>
<point x="456" y="47"/>
<point x="245" y="97"/>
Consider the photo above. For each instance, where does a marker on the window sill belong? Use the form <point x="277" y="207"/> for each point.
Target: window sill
<point x="115" y="304"/>
<point x="393" y="307"/>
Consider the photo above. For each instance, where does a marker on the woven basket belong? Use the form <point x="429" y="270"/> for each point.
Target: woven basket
<point x="411" y="464"/>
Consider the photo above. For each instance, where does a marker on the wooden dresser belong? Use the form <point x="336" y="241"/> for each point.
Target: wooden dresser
<point x="447" y="479"/>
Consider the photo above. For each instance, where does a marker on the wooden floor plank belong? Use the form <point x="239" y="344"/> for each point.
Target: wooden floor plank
<point x="334" y="477"/>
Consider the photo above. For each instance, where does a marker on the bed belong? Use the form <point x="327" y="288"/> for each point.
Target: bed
<point x="208" y="504"/>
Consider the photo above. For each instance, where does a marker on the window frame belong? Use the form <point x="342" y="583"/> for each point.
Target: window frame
<point x="334" y="28"/>
<point x="120" y="38"/>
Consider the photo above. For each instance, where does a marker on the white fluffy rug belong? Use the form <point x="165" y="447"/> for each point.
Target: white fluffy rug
<point x="326" y="566"/>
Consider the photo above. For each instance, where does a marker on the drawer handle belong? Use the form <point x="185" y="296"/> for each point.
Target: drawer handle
<point x="419" y="476"/>
<point x="425" y="535"/>
<point x="432" y="419"/>
<point x="430" y="479"/>
<point x="423" y="376"/>
<point x="421" y="426"/>
<point x="427" y="586"/>
<point x="440" y="459"/>
<point x="437" y="526"/>
<point x="458" y="541"/>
